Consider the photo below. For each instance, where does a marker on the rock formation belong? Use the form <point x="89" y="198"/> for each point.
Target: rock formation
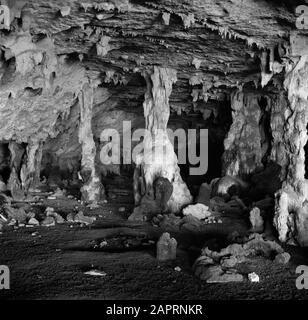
<point x="69" y="70"/>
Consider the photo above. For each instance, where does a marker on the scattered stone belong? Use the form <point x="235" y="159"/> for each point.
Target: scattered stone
<point x="52" y="198"/>
<point x="191" y="224"/>
<point x="48" y="222"/>
<point x="122" y="209"/>
<point x="166" y="248"/>
<point x="59" y="219"/>
<point x="65" y="11"/>
<point x="17" y="214"/>
<point x="70" y="217"/>
<point x="81" y="218"/>
<point x="34" y="234"/>
<point x="96" y="273"/>
<point x="229" y="262"/>
<point x="12" y="222"/>
<point x="205" y="273"/>
<point x="256" y="220"/>
<point x="177" y="269"/>
<point x="253" y="277"/>
<point x="33" y="222"/>
<point x="226" y="278"/>
<point x="199" y="211"/>
<point x="283" y="258"/>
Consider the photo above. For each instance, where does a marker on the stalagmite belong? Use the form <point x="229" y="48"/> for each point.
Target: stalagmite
<point x="14" y="183"/>
<point x="291" y="217"/>
<point x="30" y="170"/>
<point x="92" y="189"/>
<point x="243" y="149"/>
<point x="158" y="158"/>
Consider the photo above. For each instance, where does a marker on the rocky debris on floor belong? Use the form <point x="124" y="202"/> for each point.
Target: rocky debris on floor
<point x="256" y="220"/>
<point x="33" y="222"/>
<point x="228" y="258"/>
<point x="166" y="248"/>
<point x="199" y="211"/>
<point x="96" y="273"/>
<point x="283" y="258"/>
<point x="48" y="222"/>
<point x="81" y="218"/>
<point x="17" y="214"/>
<point x="50" y="212"/>
<point x="253" y="277"/>
<point x="216" y="274"/>
<point x="154" y="202"/>
<point x="177" y="269"/>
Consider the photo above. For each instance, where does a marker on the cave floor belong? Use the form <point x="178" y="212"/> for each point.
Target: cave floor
<point x="51" y="263"/>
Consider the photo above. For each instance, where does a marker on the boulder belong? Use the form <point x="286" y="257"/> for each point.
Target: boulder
<point x="229" y="262"/>
<point x="199" y="211"/>
<point x="33" y="222"/>
<point x="166" y="248"/>
<point x="204" y="195"/>
<point x="81" y="218"/>
<point x="48" y="222"/>
<point x="283" y="258"/>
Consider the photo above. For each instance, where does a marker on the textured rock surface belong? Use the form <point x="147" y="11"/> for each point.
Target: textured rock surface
<point x="71" y="69"/>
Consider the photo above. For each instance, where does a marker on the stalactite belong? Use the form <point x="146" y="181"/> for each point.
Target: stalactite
<point x="291" y="218"/>
<point x="158" y="158"/>
<point x="92" y="189"/>
<point x="243" y="149"/>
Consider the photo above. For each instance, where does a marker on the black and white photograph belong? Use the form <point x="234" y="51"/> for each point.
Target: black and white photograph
<point x="154" y="154"/>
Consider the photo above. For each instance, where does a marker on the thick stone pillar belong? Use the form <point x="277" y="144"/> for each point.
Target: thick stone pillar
<point x="14" y="184"/>
<point x="92" y="190"/>
<point x="243" y="148"/>
<point x="158" y="158"/>
<point x="291" y="216"/>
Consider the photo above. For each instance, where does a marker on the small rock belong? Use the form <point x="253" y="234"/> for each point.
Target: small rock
<point x="283" y="258"/>
<point x="205" y="273"/>
<point x="48" y="222"/>
<point x="70" y="217"/>
<point x="253" y="277"/>
<point x="96" y="273"/>
<point x="81" y="218"/>
<point x="226" y="278"/>
<point x="166" y="248"/>
<point x="199" y="211"/>
<point x="122" y="209"/>
<point x="59" y="219"/>
<point x="65" y="11"/>
<point x="177" y="269"/>
<point x="229" y="262"/>
<point x="12" y="222"/>
<point x="204" y="194"/>
<point x="33" y="222"/>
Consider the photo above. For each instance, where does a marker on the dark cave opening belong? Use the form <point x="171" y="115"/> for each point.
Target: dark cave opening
<point x="5" y="170"/>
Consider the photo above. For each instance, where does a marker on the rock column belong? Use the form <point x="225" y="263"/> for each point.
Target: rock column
<point x="92" y="190"/>
<point x="158" y="158"/>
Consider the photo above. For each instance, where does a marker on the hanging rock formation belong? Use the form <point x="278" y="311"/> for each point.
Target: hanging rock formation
<point x="243" y="149"/>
